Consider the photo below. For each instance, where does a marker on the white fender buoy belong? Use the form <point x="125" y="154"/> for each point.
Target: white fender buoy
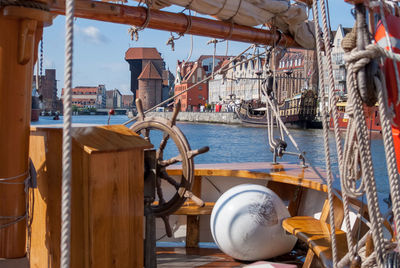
<point x="246" y="223"/>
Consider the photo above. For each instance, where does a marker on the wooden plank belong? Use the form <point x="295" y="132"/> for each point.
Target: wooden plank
<point x="167" y="21"/>
<point x="308" y="262"/>
<point x="190" y="208"/>
<point x="317" y="235"/>
<point x="337" y="210"/>
<point x="193" y="221"/>
<point x="294" y="204"/>
<point x="116" y="209"/>
<point x="284" y="173"/>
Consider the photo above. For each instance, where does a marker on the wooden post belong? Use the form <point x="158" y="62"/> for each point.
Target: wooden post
<point x="193" y="221"/>
<point x="20" y="31"/>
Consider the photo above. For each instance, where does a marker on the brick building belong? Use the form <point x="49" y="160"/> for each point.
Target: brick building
<point x="48" y="90"/>
<point x="114" y="99"/>
<point x="296" y="71"/>
<point x="88" y="97"/>
<point x="149" y="78"/>
<point x="127" y="101"/>
<point x="190" y="73"/>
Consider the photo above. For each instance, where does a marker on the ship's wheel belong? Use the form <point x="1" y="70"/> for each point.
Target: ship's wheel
<point x="167" y="130"/>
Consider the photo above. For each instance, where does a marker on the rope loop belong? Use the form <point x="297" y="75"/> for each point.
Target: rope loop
<point x="172" y="39"/>
<point x="134" y="30"/>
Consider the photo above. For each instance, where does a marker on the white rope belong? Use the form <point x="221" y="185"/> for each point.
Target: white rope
<point x="366" y="161"/>
<point x="394" y="178"/>
<point x="67" y="139"/>
<point x="325" y="116"/>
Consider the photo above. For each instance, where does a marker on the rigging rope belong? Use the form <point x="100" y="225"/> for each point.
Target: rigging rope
<point x="67" y="139"/>
<point x="325" y="114"/>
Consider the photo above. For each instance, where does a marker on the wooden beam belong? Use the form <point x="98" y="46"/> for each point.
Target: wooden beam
<point x="167" y="21"/>
<point x="193" y="221"/>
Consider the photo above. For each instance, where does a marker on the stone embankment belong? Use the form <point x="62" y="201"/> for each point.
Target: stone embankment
<point x="204" y="117"/>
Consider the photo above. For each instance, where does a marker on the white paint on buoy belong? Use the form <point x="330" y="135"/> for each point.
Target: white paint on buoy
<point x="246" y="223"/>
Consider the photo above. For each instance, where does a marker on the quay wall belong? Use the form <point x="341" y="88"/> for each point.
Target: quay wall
<point x="201" y="117"/>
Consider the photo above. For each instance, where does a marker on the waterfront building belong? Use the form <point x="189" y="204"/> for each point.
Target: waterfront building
<point x="127" y="101"/>
<point x="240" y="82"/>
<point x="150" y="80"/>
<point x="190" y="73"/>
<point x="338" y="65"/>
<point x="88" y="96"/>
<point x="114" y="99"/>
<point x="295" y="72"/>
<point x="47" y="91"/>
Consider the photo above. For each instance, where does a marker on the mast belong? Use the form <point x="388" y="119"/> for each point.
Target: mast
<point x="168" y="21"/>
<point x="21" y="30"/>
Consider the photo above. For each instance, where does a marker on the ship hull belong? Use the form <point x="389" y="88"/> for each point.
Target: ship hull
<point x="371" y="117"/>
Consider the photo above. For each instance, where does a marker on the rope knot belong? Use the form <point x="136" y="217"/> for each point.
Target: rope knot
<point x="134" y="32"/>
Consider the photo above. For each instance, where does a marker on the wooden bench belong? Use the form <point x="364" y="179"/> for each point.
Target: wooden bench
<point x="317" y="234"/>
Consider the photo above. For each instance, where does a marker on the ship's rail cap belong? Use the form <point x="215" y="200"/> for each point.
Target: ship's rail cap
<point x="289" y="173"/>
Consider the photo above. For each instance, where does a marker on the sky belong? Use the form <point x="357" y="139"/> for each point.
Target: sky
<point x="99" y="48"/>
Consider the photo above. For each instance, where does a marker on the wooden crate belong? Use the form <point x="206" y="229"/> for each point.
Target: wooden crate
<point x="107" y="197"/>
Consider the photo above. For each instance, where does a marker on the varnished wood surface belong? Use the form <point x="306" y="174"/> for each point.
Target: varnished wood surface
<point x="167" y="21"/>
<point x="194" y="257"/>
<point x="18" y="43"/>
<point x="317" y="235"/>
<point x="107" y="201"/>
<point x="285" y="173"/>
<point x="211" y="257"/>
<point x="103" y="138"/>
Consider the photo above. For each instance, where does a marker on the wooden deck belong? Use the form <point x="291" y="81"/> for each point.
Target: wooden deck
<point x="194" y="257"/>
<point x="210" y="257"/>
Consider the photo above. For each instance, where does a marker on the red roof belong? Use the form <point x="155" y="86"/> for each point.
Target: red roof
<point x="150" y="72"/>
<point x="142" y="53"/>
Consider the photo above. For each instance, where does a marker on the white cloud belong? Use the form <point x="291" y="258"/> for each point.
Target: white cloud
<point x="49" y="64"/>
<point x="92" y="34"/>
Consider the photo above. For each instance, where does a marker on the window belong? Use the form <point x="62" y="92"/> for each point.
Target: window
<point x="200" y="97"/>
<point x="200" y="87"/>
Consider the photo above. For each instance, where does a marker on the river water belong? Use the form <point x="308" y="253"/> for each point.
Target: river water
<point x="233" y="143"/>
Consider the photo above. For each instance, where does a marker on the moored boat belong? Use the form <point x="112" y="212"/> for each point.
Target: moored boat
<point x="297" y="112"/>
<point x="371" y="116"/>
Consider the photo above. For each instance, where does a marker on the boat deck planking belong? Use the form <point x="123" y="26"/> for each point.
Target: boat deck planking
<point x="212" y="257"/>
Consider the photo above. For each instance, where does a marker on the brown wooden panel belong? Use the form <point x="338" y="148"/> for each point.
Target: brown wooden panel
<point x="107" y="205"/>
<point x="116" y="209"/>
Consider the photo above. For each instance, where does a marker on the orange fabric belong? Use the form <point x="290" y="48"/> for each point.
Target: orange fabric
<point x="380" y="37"/>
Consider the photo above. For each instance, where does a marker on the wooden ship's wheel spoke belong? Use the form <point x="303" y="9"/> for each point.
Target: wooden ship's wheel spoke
<point x="170" y="131"/>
